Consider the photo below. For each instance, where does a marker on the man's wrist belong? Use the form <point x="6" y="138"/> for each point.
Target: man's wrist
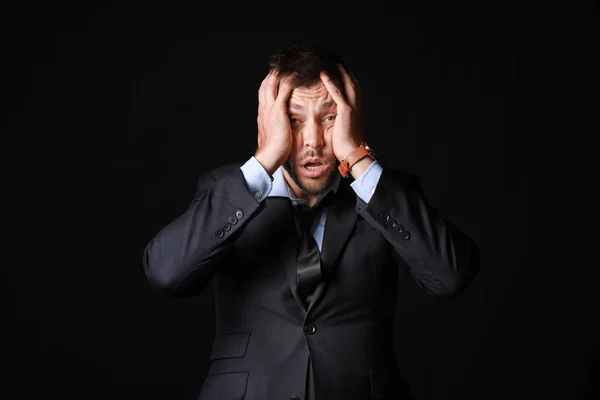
<point x="346" y="150"/>
<point x="357" y="159"/>
<point x="360" y="167"/>
<point x="269" y="166"/>
<point x="258" y="181"/>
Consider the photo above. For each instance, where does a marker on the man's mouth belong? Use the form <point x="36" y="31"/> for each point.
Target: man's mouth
<point x="312" y="166"/>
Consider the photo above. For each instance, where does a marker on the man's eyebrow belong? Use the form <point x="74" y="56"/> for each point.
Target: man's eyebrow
<point x="326" y="105"/>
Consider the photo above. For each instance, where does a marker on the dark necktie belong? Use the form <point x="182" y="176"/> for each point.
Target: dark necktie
<point x="309" y="257"/>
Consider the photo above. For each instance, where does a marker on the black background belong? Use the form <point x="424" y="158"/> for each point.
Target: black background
<point x="493" y="107"/>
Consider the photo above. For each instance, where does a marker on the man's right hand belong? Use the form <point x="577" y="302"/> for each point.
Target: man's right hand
<point x="274" y="130"/>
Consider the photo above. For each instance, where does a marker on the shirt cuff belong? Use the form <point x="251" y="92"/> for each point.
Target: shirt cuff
<point x="365" y="185"/>
<point x="257" y="179"/>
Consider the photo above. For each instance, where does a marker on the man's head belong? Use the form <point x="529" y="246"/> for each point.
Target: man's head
<point x="312" y="165"/>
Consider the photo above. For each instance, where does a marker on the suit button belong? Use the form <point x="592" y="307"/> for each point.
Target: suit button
<point x="232" y="220"/>
<point x="239" y="214"/>
<point x="310" y="329"/>
<point x="219" y="233"/>
<point x="405" y="235"/>
<point x="390" y="222"/>
<point x="384" y="216"/>
<point x="226" y="226"/>
<point x="398" y="228"/>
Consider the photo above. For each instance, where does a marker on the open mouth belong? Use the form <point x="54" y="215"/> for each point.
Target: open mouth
<point x="313" y="166"/>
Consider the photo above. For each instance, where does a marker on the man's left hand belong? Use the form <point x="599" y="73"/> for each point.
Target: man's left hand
<point x="349" y="125"/>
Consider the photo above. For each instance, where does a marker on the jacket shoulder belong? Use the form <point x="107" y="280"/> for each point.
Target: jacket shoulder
<point x="400" y="176"/>
<point x="220" y="171"/>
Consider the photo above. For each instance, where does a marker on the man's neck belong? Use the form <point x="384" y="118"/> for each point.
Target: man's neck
<point x="298" y="192"/>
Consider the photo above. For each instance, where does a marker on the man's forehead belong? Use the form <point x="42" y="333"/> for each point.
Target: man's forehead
<point x="320" y="105"/>
<point x="317" y="95"/>
<point x="316" y="90"/>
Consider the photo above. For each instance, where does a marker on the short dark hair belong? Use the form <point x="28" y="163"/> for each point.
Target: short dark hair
<point x="308" y="59"/>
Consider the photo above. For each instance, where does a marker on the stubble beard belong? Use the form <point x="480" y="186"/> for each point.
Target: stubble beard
<point x="315" y="187"/>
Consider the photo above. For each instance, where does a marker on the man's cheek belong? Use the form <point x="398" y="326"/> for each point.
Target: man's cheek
<point x="328" y="136"/>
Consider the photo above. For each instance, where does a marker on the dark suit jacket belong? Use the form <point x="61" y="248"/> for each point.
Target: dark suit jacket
<point x="264" y="331"/>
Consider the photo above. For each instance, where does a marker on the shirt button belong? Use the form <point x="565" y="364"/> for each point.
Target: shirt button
<point x="294" y="203"/>
<point x="310" y="329"/>
<point x="257" y="195"/>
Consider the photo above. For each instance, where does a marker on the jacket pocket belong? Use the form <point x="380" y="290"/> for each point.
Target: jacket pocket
<point x="225" y="386"/>
<point x="230" y="345"/>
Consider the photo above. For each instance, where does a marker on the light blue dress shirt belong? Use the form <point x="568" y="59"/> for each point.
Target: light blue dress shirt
<point x="261" y="186"/>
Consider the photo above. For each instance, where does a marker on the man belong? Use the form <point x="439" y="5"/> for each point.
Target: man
<point x="304" y="260"/>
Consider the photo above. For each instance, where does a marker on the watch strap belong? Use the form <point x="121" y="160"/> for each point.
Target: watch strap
<point x="358" y="154"/>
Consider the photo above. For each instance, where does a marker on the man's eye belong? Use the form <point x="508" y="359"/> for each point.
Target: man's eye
<point x="293" y="120"/>
<point x="331" y="116"/>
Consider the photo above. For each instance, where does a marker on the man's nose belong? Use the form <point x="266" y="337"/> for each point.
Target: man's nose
<point x="313" y="135"/>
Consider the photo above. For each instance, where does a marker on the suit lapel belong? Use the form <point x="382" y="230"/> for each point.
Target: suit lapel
<point x="341" y="219"/>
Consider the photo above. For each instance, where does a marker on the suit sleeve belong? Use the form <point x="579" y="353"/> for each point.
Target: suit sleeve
<point x="441" y="258"/>
<point x="183" y="257"/>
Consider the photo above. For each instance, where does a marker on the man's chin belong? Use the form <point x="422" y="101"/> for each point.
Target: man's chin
<point x="314" y="186"/>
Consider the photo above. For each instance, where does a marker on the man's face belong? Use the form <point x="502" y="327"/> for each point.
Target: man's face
<point x="312" y="164"/>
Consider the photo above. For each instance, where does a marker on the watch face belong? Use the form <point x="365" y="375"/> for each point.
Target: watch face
<point x="371" y="153"/>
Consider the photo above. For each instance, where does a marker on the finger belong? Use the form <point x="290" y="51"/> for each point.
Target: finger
<point x="286" y="86"/>
<point x="349" y="86"/>
<point x="271" y="87"/>
<point x="356" y="82"/>
<point x="334" y="91"/>
<point x="261" y="91"/>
